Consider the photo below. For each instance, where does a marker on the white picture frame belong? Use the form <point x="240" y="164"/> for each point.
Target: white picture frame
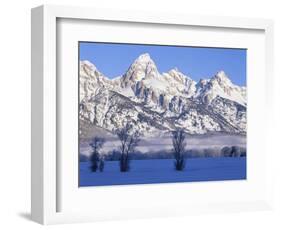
<point x="46" y="180"/>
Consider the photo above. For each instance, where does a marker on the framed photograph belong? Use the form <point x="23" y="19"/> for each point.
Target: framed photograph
<point x="145" y="126"/>
<point x="138" y="114"/>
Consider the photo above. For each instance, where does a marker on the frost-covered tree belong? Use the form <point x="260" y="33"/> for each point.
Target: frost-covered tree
<point x="101" y="164"/>
<point x="129" y="139"/>
<point x="95" y="118"/>
<point x="178" y="140"/>
<point x="226" y="151"/>
<point x="235" y="151"/>
<point x="96" y="144"/>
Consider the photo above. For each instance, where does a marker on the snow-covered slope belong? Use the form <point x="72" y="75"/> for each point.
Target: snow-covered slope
<point x="156" y="103"/>
<point x="221" y="85"/>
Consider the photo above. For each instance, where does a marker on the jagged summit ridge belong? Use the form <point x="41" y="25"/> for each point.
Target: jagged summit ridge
<point x="143" y="67"/>
<point x="156" y="102"/>
<point x="145" y="57"/>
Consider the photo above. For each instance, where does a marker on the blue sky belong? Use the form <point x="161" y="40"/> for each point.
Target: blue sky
<point x="197" y="62"/>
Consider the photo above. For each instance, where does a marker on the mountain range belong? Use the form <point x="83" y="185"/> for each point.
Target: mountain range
<point x="156" y="103"/>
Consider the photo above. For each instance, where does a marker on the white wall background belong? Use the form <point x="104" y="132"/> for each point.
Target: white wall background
<point x="15" y="113"/>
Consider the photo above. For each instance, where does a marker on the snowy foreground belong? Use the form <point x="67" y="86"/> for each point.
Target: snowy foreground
<point x="162" y="171"/>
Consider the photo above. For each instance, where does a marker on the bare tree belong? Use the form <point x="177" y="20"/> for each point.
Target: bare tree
<point x="95" y="118"/>
<point x="96" y="144"/>
<point x="101" y="164"/>
<point x="233" y="151"/>
<point x="226" y="151"/>
<point x="178" y="139"/>
<point x="129" y="140"/>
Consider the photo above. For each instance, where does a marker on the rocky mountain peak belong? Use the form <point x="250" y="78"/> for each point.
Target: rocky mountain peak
<point x="145" y="57"/>
<point x="144" y="61"/>
<point x="222" y="78"/>
<point x="176" y="70"/>
<point x="156" y="102"/>
<point x="88" y="64"/>
<point x="142" y="68"/>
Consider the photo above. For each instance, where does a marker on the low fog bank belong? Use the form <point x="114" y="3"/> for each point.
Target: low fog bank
<point x="161" y="147"/>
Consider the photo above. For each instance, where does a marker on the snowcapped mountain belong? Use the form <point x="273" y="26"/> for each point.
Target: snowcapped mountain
<point x="220" y="85"/>
<point x="156" y="103"/>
